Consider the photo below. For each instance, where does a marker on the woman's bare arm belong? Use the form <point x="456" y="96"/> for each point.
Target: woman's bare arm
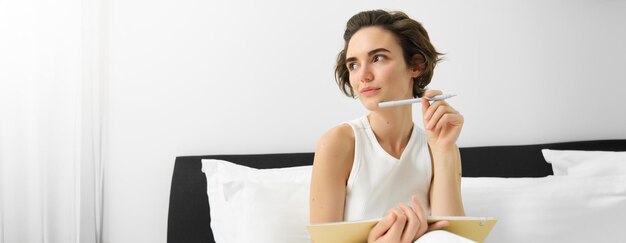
<point x="331" y="169"/>
<point x="443" y="126"/>
<point x="445" y="188"/>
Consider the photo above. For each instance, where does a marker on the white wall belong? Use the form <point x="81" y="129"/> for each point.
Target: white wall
<point x="191" y="77"/>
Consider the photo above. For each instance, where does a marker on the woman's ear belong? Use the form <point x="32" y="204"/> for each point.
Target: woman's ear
<point x="418" y="64"/>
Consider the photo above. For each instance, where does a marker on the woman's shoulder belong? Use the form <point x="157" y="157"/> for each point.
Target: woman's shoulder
<point x="341" y="135"/>
<point x="336" y="144"/>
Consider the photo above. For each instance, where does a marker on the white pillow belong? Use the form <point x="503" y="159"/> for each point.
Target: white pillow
<point x="585" y="163"/>
<point x="257" y="205"/>
<point x="550" y="209"/>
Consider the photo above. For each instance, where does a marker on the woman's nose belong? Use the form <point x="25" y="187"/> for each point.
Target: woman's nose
<point x="366" y="74"/>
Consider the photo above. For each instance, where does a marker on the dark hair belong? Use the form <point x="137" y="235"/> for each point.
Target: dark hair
<point x="411" y="36"/>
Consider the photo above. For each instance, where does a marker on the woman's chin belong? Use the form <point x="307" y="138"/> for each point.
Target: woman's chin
<point x="370" y="105"/>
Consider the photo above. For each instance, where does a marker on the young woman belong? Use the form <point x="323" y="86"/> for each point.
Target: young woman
<point x="382" y="164"/>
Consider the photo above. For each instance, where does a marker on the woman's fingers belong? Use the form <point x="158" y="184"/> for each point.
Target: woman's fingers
<point x="382" y="227"/>
<point x="395" y="232"/>
<point x="410" y="231"/>
<point x="403" y="224"/>
<point x="432" y="113"/>
<point x="428" y="114"/>
<point x="437" y="110"/>
<point x="438" y="225"/>
<point x="453" y="119"/>
<point x="428" y="94"/>
<point x="421" y="215"/>
<point x="440" y="116"/>
<point x="425" y="106"/>
<point x="431" y="93"/>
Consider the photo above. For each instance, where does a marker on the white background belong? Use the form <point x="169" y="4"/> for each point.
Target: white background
<point x="192" y="77"/>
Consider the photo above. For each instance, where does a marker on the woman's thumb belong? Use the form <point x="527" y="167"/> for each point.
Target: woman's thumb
<point x="382" y="227"/>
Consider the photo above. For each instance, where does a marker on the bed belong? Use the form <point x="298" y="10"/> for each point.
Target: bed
<point x="496" y="180"/>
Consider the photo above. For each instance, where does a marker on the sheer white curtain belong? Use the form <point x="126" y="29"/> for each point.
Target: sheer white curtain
<point x="51" y="120"/>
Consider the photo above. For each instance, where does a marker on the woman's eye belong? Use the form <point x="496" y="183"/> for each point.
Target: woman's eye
<point x="379" y="58"/>
<point x="351" y="66"/>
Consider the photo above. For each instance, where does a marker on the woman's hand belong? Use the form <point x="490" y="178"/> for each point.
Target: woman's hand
<point x="442" y="122"/>
<point x="403" y="225"/>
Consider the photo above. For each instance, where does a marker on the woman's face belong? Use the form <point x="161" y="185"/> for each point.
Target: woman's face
<point x="377" y="68"/>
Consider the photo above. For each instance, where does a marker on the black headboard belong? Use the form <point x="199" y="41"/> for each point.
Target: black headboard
<point x="189" y="219"/>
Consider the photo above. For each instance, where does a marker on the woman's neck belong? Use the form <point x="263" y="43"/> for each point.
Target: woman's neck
<point x="392" y="127"/>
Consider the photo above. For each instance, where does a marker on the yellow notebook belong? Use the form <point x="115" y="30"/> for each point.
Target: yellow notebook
<point x="473" y="228"/>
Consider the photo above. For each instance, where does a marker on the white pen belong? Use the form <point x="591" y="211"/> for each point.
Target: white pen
<point x="411" y="101"/>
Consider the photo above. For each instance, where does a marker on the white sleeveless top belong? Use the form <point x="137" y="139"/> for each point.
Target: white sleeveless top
<point x="379" y="181"/>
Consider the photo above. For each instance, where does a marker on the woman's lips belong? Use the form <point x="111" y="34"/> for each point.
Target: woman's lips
<point x="369" y="91"/>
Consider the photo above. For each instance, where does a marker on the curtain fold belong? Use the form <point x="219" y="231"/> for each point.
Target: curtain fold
<point x="51" y="121"/>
